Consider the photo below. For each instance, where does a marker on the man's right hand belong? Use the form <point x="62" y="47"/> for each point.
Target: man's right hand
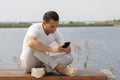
<point x="57" y="49"/>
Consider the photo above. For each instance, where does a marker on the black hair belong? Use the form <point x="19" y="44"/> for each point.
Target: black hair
<point x="50" y="15"/>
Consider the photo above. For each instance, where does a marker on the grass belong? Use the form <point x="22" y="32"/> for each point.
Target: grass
<point x="89" y="48"/>
<point x="110" y="67"/>
<point x="14" y="25"/>
<point x="77" y="49"/>
<point x="16" y="60"/>
<point x="83" y="24"/>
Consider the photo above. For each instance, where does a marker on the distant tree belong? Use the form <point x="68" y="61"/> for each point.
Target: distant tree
<point x="114" y="20"/>
<point x="71" y="22"/>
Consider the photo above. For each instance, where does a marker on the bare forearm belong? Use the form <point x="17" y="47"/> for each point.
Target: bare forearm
<point x="36" y="45"/>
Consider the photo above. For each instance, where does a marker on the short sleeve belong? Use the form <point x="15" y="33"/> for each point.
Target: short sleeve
<point x="32" y="31"/>
<point x="59" y="37"/>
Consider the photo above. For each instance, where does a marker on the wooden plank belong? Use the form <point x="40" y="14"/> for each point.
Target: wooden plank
<point x="10" y="74"/>
<point x="108" y="73"/>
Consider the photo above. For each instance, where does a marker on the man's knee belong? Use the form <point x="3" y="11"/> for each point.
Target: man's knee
<point x="69" y="59"/>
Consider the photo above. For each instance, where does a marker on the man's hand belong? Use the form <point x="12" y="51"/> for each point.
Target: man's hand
<point x="56" y="49"/>
<point x="66" y="50"/>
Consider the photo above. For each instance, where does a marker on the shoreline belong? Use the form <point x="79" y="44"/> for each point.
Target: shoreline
<point x="65" y="26"/>
<point x="70" y="24"/>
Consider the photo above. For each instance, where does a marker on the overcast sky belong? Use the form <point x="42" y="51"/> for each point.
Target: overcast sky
<point x="68" y="10"/>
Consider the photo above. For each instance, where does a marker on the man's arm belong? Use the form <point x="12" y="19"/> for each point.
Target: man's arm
<point x="36" y="45"/>
<point x="60" y="40"/>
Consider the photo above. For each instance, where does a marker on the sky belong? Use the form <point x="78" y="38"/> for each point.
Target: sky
<point x="68" y="10"/>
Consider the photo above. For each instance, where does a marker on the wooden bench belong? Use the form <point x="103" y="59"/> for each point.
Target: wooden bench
<point x="10" y="74"/>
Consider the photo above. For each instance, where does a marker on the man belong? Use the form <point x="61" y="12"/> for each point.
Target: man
<point x="36" y="45"/>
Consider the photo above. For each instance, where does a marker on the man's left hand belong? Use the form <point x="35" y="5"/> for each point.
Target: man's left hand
<point x="67" y="50"/>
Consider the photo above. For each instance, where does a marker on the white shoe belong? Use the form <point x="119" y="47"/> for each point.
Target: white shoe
<point x="67" y="70"/>
<point x="38" y="72"/>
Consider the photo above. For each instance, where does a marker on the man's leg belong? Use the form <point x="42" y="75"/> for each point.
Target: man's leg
<point x="49" y="62"/>
<point x="65" y="59"/>
<point x="62" y="58"/>
<point x="29" y="61"/>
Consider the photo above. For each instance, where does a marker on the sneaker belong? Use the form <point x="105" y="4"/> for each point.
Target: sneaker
<point x="66" y="70"/>
<point x="38" y="72"/>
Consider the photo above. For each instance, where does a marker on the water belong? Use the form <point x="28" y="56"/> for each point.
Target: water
<point x="105" y="40"/>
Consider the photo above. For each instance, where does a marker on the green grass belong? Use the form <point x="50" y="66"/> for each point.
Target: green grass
<point x="78" y="24"/>
<point x="14" y="25"/>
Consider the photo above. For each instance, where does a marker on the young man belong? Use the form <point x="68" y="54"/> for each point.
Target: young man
<point x="36" y="45"/>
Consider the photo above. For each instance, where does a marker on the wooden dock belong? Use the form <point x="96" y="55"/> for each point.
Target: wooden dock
<point x="12" y="74"/>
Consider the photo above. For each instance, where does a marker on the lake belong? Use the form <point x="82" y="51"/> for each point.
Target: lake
<point x="105" y="42"/>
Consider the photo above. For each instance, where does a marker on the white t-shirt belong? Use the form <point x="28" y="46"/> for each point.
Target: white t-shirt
<point x="38" y="31"/>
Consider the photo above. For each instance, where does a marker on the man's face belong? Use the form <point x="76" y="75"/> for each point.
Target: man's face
<point x="51" y="26"/>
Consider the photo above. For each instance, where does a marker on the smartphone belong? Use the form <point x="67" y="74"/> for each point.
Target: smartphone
<point x="66" y="44"/>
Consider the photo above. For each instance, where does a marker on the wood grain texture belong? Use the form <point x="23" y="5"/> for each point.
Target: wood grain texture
<point x="12" y="74"/>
